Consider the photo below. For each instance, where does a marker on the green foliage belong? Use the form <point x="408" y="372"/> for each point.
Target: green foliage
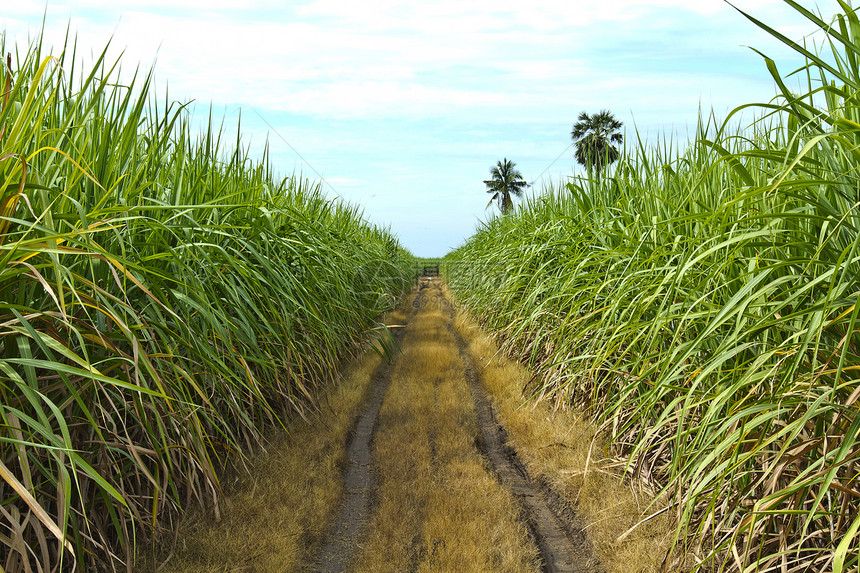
<point x="505" y="181"/>
<point x="702" y="306"/>
<point x="595" y="138"/>
<point x="163" y="301"/>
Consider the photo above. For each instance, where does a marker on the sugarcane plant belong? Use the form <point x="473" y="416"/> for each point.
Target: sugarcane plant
<point x="164" y="301"/>
<point x="703" y="308"/>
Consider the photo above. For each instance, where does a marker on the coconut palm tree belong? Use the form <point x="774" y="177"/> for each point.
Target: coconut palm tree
<point x="505" y="181"/>
<point x="595" y="137"/>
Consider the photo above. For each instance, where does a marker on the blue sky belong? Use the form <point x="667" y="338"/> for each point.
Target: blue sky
<point x="404" y="107"/>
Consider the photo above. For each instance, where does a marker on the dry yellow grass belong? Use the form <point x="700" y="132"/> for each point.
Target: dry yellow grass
<point x="438" y="506"/>
<point x="275" y="517"/>
<point x="439" y="509"/>
<point x="563" y="448"/>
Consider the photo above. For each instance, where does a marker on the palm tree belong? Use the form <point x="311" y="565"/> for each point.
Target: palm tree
<point x="506" y="181"/>
<point x="594" y="137"/>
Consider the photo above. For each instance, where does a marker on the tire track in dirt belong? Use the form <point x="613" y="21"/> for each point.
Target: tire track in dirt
<point x="356" y="508"/>
<point x="440" y="506"/>
<point x="555" y="528"/>
<point x="558" y="533"/>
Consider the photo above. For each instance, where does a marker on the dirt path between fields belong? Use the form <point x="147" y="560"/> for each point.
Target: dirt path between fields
<point x="559" y="534"/>
<point x="553" y="526"/>
<point x="359" y="478"/>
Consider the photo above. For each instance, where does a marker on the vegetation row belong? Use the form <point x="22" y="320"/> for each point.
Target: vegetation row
<point x="164" y="300"/>
<point x="701" y="304"/>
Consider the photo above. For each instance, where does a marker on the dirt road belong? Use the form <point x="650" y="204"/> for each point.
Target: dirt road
<point x="406" y="468"/>
<point x="409" y="460"/>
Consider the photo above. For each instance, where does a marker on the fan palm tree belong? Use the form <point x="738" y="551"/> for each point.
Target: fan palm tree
<point x="595" y="137"/>
<point x="505" y="181"/>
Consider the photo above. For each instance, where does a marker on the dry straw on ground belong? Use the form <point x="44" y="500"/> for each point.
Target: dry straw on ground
<point x="564" y="450"/>
<point x="274" y="518"/>
<point x="440" y="508"/>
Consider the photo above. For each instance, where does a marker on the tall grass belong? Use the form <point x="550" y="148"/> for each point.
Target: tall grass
<point x="702" y="305"/>
<point x="164" y="300"/>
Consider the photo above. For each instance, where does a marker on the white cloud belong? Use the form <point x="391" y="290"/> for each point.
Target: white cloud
<point x="383" y="92"/>
<point x="387" y="58"/>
